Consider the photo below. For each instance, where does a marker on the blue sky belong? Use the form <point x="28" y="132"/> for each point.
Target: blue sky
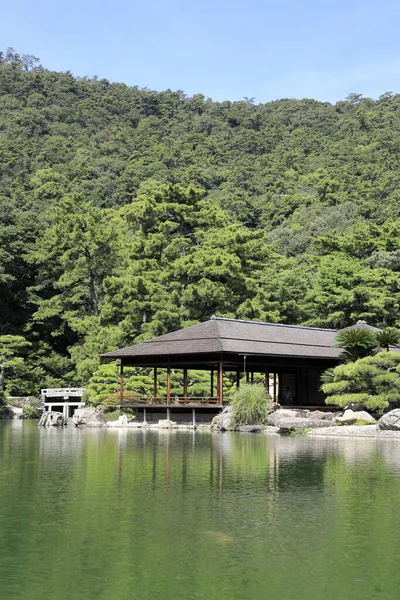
<point x="223" y="49"/>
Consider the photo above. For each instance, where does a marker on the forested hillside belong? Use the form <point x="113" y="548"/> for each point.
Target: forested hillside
<point x="127" y="213"/>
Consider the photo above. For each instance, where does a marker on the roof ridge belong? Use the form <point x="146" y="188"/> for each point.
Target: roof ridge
<point x="219" y="336"/>
<point x="214" y="318"/>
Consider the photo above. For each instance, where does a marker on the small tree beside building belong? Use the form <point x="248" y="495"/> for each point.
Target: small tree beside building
<point x="11" y="348"/>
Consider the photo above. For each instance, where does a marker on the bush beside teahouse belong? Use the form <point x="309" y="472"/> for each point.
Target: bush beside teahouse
<point x="373" y="381"/>
<point x="250" y="405"/>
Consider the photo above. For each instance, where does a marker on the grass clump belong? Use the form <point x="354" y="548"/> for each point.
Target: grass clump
<point x="250" y="405"/>
<point x="361" y="422"/>
<point x="31" y="412"/>
<point x="114" y="415"/>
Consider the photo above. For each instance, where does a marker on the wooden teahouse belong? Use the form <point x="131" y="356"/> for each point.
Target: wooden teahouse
<point x="288" y="358"/>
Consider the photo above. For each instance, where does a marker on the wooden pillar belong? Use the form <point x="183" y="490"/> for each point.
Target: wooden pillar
<point x="185" y="383"/>
<point x="247" y="377"/>
<point x="155" y="385"/>
<point x="275" y="398"/>
<point x="266" y="380"/>
<point x="252" y="377"/>
<point x="220" y="383"/>
<point x="212" y="384"/>
<point x="121" y="387"/>
<point x="169" y="385"/>
<point x="237" y="379"/>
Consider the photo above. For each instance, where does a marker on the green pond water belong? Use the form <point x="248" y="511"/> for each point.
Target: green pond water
<point x="122" y="514"/>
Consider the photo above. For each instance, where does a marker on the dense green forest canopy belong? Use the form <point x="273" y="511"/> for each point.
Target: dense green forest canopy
<point x="127" y="213"/>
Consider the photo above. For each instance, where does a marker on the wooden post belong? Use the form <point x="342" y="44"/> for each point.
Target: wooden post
<point x="252" y="377"/>
<point x="155" y="385"/>
<point x="212" y="383"/>
<point x="185" y="384"/>
<point x="169" y="385"/>
<point x="247" y="377"/>
<point x="266" y="381"/>
<point x="237" y="379"/>
<point x="220" y="383"/>
<point x="275" y="398"/>
<point x="121" y="387"/>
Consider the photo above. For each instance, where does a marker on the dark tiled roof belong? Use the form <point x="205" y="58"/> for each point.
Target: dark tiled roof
<point x="362" y="325"/>
<point x="220" y="335"/>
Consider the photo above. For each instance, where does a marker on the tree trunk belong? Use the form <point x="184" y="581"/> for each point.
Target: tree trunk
<point x="93" y="295"/>
<point x="2" y="378"/>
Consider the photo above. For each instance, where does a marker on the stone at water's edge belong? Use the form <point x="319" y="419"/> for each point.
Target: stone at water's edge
<point x="89" y="417"/>
<point x="288" y="413"/>
<point x="288" y="425"/>
<point x="223" y="421"/>
<point x="291" y="418"/>
<point x="284" y="413"/>
<point x="350" y="416"/>
<point x="121" y="422"/>
<point x="251" y="428"/>
<point x="166" y="424"/>
<point x="52" y="419"/>
<point x="7" y="413"/>
<point x="390" y="420"/>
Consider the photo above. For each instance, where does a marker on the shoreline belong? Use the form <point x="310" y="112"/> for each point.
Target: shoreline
<point x="346" y="431"/>
<point x="359" y="431"/>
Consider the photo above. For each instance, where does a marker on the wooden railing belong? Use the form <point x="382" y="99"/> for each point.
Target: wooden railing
<point x="173" y="401"/>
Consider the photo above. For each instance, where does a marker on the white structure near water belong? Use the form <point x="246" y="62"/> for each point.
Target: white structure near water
<point x="63" y="400"/>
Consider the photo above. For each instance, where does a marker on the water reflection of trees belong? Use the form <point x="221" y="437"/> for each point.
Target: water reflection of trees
<point x="219" y="497"/>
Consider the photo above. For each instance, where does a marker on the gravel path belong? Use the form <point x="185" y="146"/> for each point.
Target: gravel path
<point x="355" y="431"/>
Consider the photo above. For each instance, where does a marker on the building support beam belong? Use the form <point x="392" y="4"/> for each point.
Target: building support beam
<point x="169" y="385"/>
<point x="121" y="387"/>
<point x="220" y="383"/>
<point x="155" y="390"/>
<point x="185" y="384"/>
<point x="212" y="384"/>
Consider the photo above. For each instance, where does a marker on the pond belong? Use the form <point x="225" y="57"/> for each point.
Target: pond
<point x="121" y="514"/>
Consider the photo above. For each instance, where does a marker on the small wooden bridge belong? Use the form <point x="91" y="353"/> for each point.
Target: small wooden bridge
<point x="65" y="400"/>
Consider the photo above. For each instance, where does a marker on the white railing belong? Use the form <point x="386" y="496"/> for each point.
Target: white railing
<point x="62" y="393"/>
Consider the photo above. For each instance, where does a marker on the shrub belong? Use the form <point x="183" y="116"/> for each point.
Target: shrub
<point x="31" y="412"/>
<point x="250" y="404"/>
<point x="373" y="381"/>
<point x="356" y="343"/>
<point x="112" y="402"/>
